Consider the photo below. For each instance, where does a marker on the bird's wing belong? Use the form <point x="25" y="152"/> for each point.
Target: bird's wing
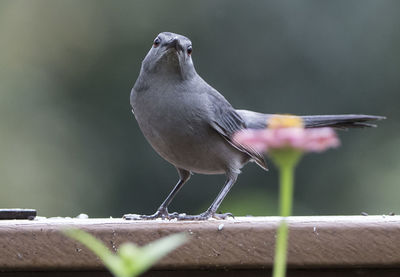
<point x="226" y="121"/>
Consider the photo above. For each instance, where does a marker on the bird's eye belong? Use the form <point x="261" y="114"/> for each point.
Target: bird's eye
<point x="189" y="49"/>
<point x="157" y="42"/>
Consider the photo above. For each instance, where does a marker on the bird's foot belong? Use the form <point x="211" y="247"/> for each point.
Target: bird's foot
<point x="161" y="213"/>
<point x="205" y="216"/>
<point x="223" y="216"/>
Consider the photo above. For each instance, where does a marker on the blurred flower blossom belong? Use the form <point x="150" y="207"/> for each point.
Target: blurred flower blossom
<point x="287" y="132"/>
<point x="285" y="140"/>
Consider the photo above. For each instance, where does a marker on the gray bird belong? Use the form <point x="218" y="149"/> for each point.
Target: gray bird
<point x="190" y="124"/>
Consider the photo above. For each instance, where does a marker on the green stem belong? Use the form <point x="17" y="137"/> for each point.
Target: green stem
<point x="286" y="171"/>
<point x="280" y="250"/>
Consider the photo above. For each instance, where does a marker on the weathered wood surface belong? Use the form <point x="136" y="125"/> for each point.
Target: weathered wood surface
<point x="309" y="272"/>
<point x="243" y="243"/>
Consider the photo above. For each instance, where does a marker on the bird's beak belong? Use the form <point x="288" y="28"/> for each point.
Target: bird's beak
<point x="174" y="44"/>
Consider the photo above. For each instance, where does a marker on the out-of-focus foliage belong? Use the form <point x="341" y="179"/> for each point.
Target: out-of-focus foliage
<point x="130" y="260"/>
<point x="69" y="143"/>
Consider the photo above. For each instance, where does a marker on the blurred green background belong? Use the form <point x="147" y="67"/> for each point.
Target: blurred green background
<point x="70" y="144"/>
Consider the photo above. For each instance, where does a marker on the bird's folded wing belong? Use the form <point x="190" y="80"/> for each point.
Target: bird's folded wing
<point x="227" y="122"/>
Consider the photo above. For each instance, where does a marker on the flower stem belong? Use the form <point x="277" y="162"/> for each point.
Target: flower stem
<point x="280" y="250"/>
<point x="286" y="171"/>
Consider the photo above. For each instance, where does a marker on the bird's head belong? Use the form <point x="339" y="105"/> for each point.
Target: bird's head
<point x="170" y="54"/>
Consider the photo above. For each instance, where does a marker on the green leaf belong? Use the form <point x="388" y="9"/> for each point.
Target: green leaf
<point x="131" y="260"/>
<point x="154" y="251"/>
<point x="111" y="261"/>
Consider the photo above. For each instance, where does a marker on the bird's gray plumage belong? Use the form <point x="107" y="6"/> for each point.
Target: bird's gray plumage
<point x="190" y="124"/>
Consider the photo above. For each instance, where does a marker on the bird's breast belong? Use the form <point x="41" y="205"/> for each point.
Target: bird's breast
<point x="178" y="129"/>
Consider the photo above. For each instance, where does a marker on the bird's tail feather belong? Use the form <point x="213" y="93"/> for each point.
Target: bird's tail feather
<point x="256" y="120"/>
<point x="341" y="121"/>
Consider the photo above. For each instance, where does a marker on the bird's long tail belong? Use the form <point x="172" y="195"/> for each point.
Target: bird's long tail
<point x="256" y="120"/>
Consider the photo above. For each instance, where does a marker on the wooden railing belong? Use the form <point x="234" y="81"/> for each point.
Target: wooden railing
<point x="318" y="246"/>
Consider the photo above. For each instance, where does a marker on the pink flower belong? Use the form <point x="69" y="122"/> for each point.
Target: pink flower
<point x="306" y="140"/>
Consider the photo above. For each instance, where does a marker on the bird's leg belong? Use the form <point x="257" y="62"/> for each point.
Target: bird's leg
<point x="162" y="211"/>
<point x="211" y="211"/>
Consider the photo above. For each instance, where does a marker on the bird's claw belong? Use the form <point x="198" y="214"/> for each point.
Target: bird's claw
<point x="205" y="216"/>
<point x="162" y="213"/>
<point x="223" y="216"/>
